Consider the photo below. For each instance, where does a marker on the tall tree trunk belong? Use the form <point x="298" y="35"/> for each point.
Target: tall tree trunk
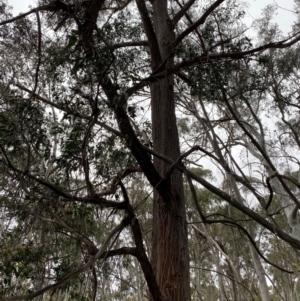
<point x="170" y="257"/>
<point x="259" y="269"/>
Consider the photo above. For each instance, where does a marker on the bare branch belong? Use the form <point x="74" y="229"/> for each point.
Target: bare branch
<point x="153" y="44"/>
<point x="238" y="205"/>
<point x="182" y="12"/>
<point x="95" y="284"/>
<point x="194" y="195"/>
<point x="116" y="181"/>
<point x="118" y="103"/>
<point x="49" y="7"/>
<point x="120" y="251"/>
<point x="234" y="224"/>
<point x="227" y="276"/>
<point x="178" y="162"/>
<point x="197" y="31"/>
<point x="145" y="262"/>
<point x="197" y="23"/>
<point x="261" y="150"/>
<point x="130" y="44"/>
<point x="271" y="193"/>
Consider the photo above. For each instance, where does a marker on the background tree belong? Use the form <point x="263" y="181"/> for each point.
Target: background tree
<point x="79" y="82"/>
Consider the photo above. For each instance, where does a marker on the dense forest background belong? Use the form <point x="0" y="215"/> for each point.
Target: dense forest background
<point x="149" y="150"/>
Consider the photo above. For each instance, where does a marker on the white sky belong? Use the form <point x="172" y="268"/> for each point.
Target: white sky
<point x="285" y="15"/>
<point x="285" y="18"/>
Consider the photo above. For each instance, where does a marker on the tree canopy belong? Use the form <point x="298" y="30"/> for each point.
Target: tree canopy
<point x="149" y="150"/>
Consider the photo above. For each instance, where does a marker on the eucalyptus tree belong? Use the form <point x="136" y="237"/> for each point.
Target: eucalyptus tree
<point x="250" y="110"/>
<point x="76" y="78"/>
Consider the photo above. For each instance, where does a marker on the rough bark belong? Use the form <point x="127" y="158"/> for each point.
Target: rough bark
<point x="169" y="256"/>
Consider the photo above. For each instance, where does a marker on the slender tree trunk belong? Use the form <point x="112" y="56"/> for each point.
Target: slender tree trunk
<point x="222" y="293"/>
<point x="170" y="257"/>
<point x="259" y="269"/>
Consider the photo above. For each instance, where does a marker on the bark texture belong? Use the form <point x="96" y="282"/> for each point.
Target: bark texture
<point x="170" y="257"/>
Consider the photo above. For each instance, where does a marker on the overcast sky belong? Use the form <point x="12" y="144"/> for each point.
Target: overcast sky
<point x="285" y="18"/>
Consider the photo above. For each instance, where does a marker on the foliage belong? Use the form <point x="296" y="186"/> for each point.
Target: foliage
<point x="78" y="174"/>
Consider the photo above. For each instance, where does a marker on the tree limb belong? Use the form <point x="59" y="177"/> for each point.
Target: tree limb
<point x="261" y="150"/>
<point x="235" y="203"/>
<point x="207" y="59"/>
<point x="204" y="59"/>
<point x="151" y="36"/>
<point x="65" y="196"/>
<point x="130" y="44"/>
<point x="75" y="114"/>
<point x="78" y="236"/>
<point x="197" y="31"/>
<point x="73" y="274"/>
<point x="145" y="262"/>
<point x="227" y="276"/>
<point x="234" y="224"/>
<point x="49" y="7"/>
<point x="120" y="251"/>
<point x="90" y="22"/>
<point x="200" y="21"/>
<point x="182" y="11"/>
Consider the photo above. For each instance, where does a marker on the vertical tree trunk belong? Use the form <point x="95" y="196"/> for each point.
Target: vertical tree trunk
<point x="170" y="257"/>
<point x="259" y="269"/>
